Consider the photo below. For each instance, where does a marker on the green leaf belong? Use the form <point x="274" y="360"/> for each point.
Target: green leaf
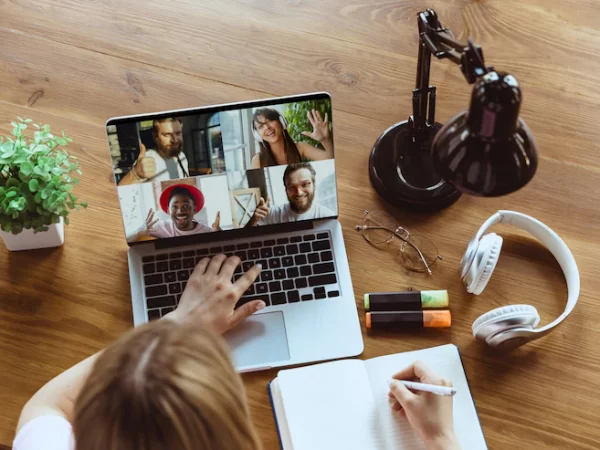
<point x="36" y="188"/>
<point x="26" y="168"/>
<point x="33" y="185"/>
<point x="24" y="178"/>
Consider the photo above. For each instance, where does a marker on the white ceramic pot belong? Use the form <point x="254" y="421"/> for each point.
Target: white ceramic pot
<point x="28" y="240"/>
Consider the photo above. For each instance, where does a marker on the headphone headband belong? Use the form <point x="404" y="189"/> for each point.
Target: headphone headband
<point x="552" y="242"/>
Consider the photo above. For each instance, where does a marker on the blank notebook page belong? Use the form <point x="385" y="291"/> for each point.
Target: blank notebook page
<point x="444" y="360"/>
<point x="330" y="406"/>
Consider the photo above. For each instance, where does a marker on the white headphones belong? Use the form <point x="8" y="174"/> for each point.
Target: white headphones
<point x="282" y="120"/>
<point x="512" y="326"/>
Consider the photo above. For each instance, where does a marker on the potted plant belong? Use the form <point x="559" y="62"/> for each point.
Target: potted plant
<point x="35" y="187"/>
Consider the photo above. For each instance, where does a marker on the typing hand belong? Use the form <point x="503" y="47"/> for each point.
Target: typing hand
<point x="210" y="296"/>
<point x="429" y="414"/>
<point x="261" y="211"/>
<point x="145" y="166"/>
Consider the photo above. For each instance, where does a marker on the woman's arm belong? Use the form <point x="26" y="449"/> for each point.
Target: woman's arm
<point x="314" y="153"/>
<point x="256" y="161"/>
<point x="57" y="397"/>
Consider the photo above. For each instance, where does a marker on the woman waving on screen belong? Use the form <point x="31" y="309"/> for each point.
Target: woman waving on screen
<point x="277" y="147"/>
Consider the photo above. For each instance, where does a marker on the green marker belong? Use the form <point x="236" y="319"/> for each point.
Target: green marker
<point x="406" y="301"/>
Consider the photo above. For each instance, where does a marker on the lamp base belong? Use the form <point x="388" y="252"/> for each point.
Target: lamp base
<point x="402" y="172"/>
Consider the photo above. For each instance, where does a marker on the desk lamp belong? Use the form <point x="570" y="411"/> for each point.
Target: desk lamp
<point x="488" y="151"/>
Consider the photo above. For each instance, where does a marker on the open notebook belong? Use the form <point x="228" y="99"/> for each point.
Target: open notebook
<point x="344" y="404"/>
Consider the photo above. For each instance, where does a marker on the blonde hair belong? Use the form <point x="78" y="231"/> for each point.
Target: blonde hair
<point x="164" y="386"/>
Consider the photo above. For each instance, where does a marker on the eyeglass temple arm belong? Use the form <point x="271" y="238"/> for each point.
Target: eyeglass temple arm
<point x="399" y="236"/>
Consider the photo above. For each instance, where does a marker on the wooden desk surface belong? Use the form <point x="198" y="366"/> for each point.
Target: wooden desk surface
<point x="75" y="64"/>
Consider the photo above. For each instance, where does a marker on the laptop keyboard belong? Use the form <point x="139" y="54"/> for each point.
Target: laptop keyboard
<point x="294" y="269"/>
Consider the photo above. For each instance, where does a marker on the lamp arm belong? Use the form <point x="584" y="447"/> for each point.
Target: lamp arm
<point x="436" y="40"/>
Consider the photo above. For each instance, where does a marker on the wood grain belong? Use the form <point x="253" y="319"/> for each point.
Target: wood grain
<point x="74" y="64"/>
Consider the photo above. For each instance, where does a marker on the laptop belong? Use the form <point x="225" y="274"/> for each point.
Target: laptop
<point x="194" y="183"/>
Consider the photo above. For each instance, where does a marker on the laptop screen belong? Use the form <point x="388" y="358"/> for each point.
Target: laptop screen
<point x="222" y="168"/>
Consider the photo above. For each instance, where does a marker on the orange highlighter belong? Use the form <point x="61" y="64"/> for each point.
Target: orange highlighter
<point x="401" y="320"/>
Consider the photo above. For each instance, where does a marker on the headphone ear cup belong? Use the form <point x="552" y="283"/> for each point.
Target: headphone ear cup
<point x="283" y="121"/>
<point x="490" y="246"/>
<point x="503" y="319"/>
<point x="256" y="135"/>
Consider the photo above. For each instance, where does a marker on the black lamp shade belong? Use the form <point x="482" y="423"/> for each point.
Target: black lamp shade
<point x="488" y="151"/>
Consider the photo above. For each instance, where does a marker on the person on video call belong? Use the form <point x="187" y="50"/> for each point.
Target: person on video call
<point x="300" y="188"/>
<point x="167" y="161"/>
<point x="180" y="202"/>
<point x="277" y="146"/>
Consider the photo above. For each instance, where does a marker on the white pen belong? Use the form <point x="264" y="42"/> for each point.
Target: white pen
<point x="433" y="388"/>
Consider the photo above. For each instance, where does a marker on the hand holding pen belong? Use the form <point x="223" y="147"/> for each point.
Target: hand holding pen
<point x="423" y="387"/>
<point x="430" y="414"/>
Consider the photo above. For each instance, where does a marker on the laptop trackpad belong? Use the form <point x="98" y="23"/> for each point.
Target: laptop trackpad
<point x="259" y="340"/>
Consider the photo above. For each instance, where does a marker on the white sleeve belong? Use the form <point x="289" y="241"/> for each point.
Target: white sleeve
<point x="45" y="433"/>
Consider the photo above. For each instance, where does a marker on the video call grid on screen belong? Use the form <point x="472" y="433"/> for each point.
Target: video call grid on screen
<point x="224" y="168"/>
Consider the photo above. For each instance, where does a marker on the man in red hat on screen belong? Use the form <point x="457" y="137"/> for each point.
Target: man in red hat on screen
<point x="181" y="202"/>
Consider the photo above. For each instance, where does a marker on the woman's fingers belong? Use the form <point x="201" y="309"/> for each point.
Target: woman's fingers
<point x="229" y="267"/>
<point x="317" y="116"/>
<point x="214" y="267"/>
<point x="201" y="266"/>
<point x="421" y="371"/>
<point x="245" y="281"/>
<point x="310" y="118"/>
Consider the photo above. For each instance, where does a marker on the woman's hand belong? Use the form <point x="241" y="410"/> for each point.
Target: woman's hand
<point x="429" y="414"/>
<point x="320" y="130"/>
<point x="210" y="296"/>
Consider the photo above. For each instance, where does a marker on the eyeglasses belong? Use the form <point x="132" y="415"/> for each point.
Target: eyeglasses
<point x="294" y="187"/>
<point x="380" y="229"/>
